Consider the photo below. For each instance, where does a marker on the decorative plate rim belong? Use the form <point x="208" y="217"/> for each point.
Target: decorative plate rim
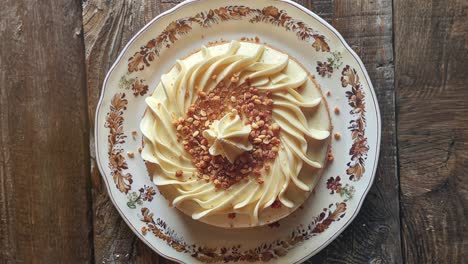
<point x="345" y="45"/>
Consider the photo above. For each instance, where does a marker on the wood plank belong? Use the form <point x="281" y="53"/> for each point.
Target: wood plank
<point x="374" y="236"/>
<point x="44" y="174"/>
<point x="431" y="47"/>
<point x="108" y="26"/>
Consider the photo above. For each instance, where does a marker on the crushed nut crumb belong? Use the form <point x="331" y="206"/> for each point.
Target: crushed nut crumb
<point x="337" y="135"/>
<point x="254" y="108"/>
<point x="276" y="204"/>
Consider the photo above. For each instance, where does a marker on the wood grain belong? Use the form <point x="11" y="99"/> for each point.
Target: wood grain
<point x="108" y="26"/>
<point x="374" y="236"/>
<point x="431" y="57"/>
<point x="44" y="155"/>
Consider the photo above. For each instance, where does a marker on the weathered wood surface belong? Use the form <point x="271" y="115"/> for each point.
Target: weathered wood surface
<point x="108" y="26"/>
<point x="431" y="44"/>
<point x="45" y="201"/>
<point x="374" y="236"/>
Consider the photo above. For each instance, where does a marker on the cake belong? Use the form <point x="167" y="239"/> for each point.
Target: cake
<point x="236" y="134"/>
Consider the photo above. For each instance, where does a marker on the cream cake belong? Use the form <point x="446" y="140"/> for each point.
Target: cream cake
<point x="236" y="134"/>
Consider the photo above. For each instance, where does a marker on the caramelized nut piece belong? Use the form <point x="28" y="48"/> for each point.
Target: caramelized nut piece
<point x="275" y="127"/>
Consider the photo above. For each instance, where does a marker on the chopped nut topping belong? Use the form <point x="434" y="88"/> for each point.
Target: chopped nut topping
<point x="337" y="110"/>
<point x="330" y="156"/>
<point x="130" y="154"/>
<point x="276" y="204"/>
<point x="337" y="135"/>
<point x="179" y="173"/>
<point x="254" y="108"/>
<point x="275" y="127"/>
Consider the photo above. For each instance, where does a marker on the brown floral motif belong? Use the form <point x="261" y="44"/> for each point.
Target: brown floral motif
<point x="180" y="27"/>
<point x="263" y="252"/>
<point x="357" y="126"/>
<point x="335" y="186"/>
<point x="145" y="193"/>
<point x="324" y="69"/>
<point x="139" y="87"/>
<point x="333" y="62"/>
<point x="116" y="137"/>
<point x="320" y="44"/>
<point x="326" y="219"/>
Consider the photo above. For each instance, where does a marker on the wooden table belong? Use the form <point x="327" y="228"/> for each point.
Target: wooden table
<point x="54" y="56"/>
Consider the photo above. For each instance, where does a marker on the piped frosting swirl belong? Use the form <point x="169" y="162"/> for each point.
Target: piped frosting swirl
<point x="269" y="71"/>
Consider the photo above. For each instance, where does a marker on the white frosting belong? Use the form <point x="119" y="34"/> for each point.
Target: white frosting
<point x="228" y="137"/>
<point x="268" y="70"/>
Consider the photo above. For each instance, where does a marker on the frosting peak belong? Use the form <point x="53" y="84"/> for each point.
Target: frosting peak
<point x="228" y="137"/>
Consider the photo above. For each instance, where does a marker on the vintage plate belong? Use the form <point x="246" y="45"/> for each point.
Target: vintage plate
<point x="283" y="24"/>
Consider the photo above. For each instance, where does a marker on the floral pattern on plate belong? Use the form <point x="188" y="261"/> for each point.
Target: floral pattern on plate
<point x="340" y="191"/>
